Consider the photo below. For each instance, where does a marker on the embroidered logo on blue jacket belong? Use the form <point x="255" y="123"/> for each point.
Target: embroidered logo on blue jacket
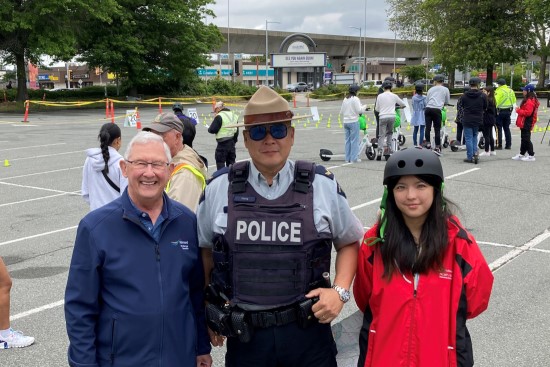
<point x="183" y="244"/>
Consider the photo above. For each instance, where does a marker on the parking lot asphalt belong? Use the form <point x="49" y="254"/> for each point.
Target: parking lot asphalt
<point x="505" y="204"/>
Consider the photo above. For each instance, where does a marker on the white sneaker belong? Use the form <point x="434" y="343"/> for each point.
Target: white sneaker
<point x="528" y="158"/>
<point x="15" y="339"/>
<point x="493" y="152"/>
<point x="484" y="154"/>
<point x="518" y="157"/>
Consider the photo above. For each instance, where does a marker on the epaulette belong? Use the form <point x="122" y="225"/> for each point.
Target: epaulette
<point x="321" y="170"/>
<point x="218" y="173"/>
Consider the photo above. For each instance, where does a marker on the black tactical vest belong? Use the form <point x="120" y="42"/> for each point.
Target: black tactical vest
<point x="271" y="254"/>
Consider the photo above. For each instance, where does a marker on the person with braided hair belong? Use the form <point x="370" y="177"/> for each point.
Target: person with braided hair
<point x="420" y="273"/>
<point x="102" y="179"/>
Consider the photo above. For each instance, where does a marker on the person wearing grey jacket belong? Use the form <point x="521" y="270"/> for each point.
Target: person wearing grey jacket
<point x="437" y="97"/>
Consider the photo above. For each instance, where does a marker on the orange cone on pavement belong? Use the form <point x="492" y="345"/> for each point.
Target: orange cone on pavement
<point x="138" y="120"/>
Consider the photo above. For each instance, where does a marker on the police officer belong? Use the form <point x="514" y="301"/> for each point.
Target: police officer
<point x="505" y="100"/>
<point x="225" y="136"/>
<point x="189" y="123"/>
<point x="267" y="228"/>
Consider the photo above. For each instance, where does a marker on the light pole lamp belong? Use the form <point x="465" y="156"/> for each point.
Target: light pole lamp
<point x="360" y="35"/>
<point x="267" y="50"/>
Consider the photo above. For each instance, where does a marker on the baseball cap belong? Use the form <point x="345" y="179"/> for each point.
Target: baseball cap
<point x="529" y="88"/>
<point x="219" y="104"/>
<point x="165" y="122"/>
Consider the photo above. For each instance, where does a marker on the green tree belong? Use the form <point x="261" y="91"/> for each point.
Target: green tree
<point x="155" y="42"/>
<point x="31" y="28"/>
<point x="413" y="72"/>
<point x="538" y="14"/>
<point x="465" y="34"/>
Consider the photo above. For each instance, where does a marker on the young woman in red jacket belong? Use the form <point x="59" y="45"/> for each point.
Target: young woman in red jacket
<point x="420" y="275"/>
<point x="527" y="118"/>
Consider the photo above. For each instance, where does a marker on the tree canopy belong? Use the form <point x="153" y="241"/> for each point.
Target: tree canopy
<point x="472" y="34"/>
<point x="151" y="42"/>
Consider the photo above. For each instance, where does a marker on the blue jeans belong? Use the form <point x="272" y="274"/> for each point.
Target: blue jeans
<point x="352" y="141"/>
<point x="415" y="131"/>
<point x="470" y="135"/>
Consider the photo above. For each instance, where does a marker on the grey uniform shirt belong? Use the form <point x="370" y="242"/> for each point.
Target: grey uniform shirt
<point x="331" y="210"/>
<point x="437" y="97"/>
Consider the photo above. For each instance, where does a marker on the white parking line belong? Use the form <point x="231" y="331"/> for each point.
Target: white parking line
<point x="40" y="173"/>
<point x="36" y="188"/>
<point x="498" y="263"/>
<point x="37" y="235"/>
<point x="36" y="199"/>
<point x="37" y="310"/>
<point x="47" y="155"/>
<point x="32" y="146"/>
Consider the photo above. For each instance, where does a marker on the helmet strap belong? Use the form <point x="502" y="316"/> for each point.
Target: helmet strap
<point x="383" y="203"/>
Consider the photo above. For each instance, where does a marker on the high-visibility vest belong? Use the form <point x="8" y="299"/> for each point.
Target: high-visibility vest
<point x="228" y="118"/>
<point x="189" y="167"/>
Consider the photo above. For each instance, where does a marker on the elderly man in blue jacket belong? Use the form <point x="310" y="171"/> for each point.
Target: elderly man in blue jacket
<point x="134" y="293"/>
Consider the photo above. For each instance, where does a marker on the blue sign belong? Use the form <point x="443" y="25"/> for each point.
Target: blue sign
<point x="226" y="72"/>
<point x="43" y="77"/>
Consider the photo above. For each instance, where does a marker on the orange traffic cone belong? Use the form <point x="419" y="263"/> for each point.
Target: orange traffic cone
<point x="138" y="120"/>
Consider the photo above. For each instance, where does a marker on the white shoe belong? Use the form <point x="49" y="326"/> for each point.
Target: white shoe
<point x="518" y="157"/>
<point x="15" y="339"/>
<point x="484" y="154"/>
<point x="528" y="158"/>
<point x="493" y="152"/>
<point x="356" y="161"/>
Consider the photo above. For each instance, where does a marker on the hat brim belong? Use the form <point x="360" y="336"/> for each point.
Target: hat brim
<point x="159" y="128"/>
<point x="269" y="122"/>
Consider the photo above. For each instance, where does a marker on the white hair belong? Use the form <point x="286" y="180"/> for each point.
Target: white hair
<point x="144" y="137"/>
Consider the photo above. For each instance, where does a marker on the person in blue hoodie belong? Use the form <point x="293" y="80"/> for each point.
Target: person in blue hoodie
<point x="418" y="120"/>
<point x="102" y="179"/>
<point x="134" y="294"/>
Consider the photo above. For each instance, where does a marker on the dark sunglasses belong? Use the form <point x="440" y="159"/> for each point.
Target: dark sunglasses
<point x="277" y="131"/>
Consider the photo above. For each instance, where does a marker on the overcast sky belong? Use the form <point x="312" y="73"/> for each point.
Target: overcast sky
<point x="306" y="16"/>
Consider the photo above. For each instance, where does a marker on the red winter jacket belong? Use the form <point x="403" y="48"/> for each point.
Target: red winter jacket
<point x="426" y="328"/>
<point x="528" y="108"/>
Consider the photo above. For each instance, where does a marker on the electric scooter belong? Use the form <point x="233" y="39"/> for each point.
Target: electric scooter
<point x="368" y="144"/>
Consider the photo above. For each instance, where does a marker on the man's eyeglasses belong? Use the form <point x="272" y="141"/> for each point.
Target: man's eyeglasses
<point x="259" y="132"/>
<point x="142" y="165"/>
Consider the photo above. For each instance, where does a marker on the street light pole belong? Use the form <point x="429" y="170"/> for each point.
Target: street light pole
<point x="365" y="46"/>
<point x="359" y="28"/>
<point x="267" y="50"/>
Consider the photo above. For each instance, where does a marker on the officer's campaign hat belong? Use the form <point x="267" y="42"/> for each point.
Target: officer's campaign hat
<point x="266" y="107"/>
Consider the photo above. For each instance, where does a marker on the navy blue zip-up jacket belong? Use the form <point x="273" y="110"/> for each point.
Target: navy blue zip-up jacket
<point x="132" y="301"/>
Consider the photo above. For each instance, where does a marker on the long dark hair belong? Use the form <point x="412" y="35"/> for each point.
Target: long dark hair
<point x="490" y="94"/>
<point x="107" y="134"/>
<point x="399" y="251"/>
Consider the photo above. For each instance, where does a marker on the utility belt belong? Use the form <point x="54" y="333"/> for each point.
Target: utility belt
<point x="234" y="322"/>
<point x="507" y="109"/>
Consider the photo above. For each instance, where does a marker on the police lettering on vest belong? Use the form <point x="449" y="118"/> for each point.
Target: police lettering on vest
<point x="269" y="232"/>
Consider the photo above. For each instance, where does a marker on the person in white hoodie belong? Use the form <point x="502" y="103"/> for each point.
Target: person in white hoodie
<point x="102" y="179"/>
<point x="350" y="111"/>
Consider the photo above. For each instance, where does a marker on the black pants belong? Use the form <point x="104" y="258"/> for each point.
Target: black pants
<point x="284" y="346"/>
<point x="433" y="116"/>
<point x="488" y="137"/>
<point x="526" y="144"/>
<point x="503" y="124"/>
<point x="460" y="133"/>
<point x="225" y="153"/>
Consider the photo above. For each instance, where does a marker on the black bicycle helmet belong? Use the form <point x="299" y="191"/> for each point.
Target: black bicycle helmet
<point x="501" y="81"/>
<point x="413" y="161"/>
<point x="474" y="81"/>
<point x="177" y="106"/>
<point x="419" y="87"/>
<point x="354" y="88"/>
<point x="439" y="78"/>
<point x="387" y="84"/>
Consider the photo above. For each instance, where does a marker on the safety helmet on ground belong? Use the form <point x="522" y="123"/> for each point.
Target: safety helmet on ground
<point x="354" y="88"/>
<point x="439" y="78"/>
<point x="413" y="161"/>
<point x="177" y="106"/>
<point x="501" y="81"/>
<point x="387" y="84"/>
<point x="474" y="81"/>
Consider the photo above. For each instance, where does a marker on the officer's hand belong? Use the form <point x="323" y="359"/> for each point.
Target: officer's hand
<point x="216" y="339"/>
<point x="204" y="361"/>
<point x="329" y="305"/>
